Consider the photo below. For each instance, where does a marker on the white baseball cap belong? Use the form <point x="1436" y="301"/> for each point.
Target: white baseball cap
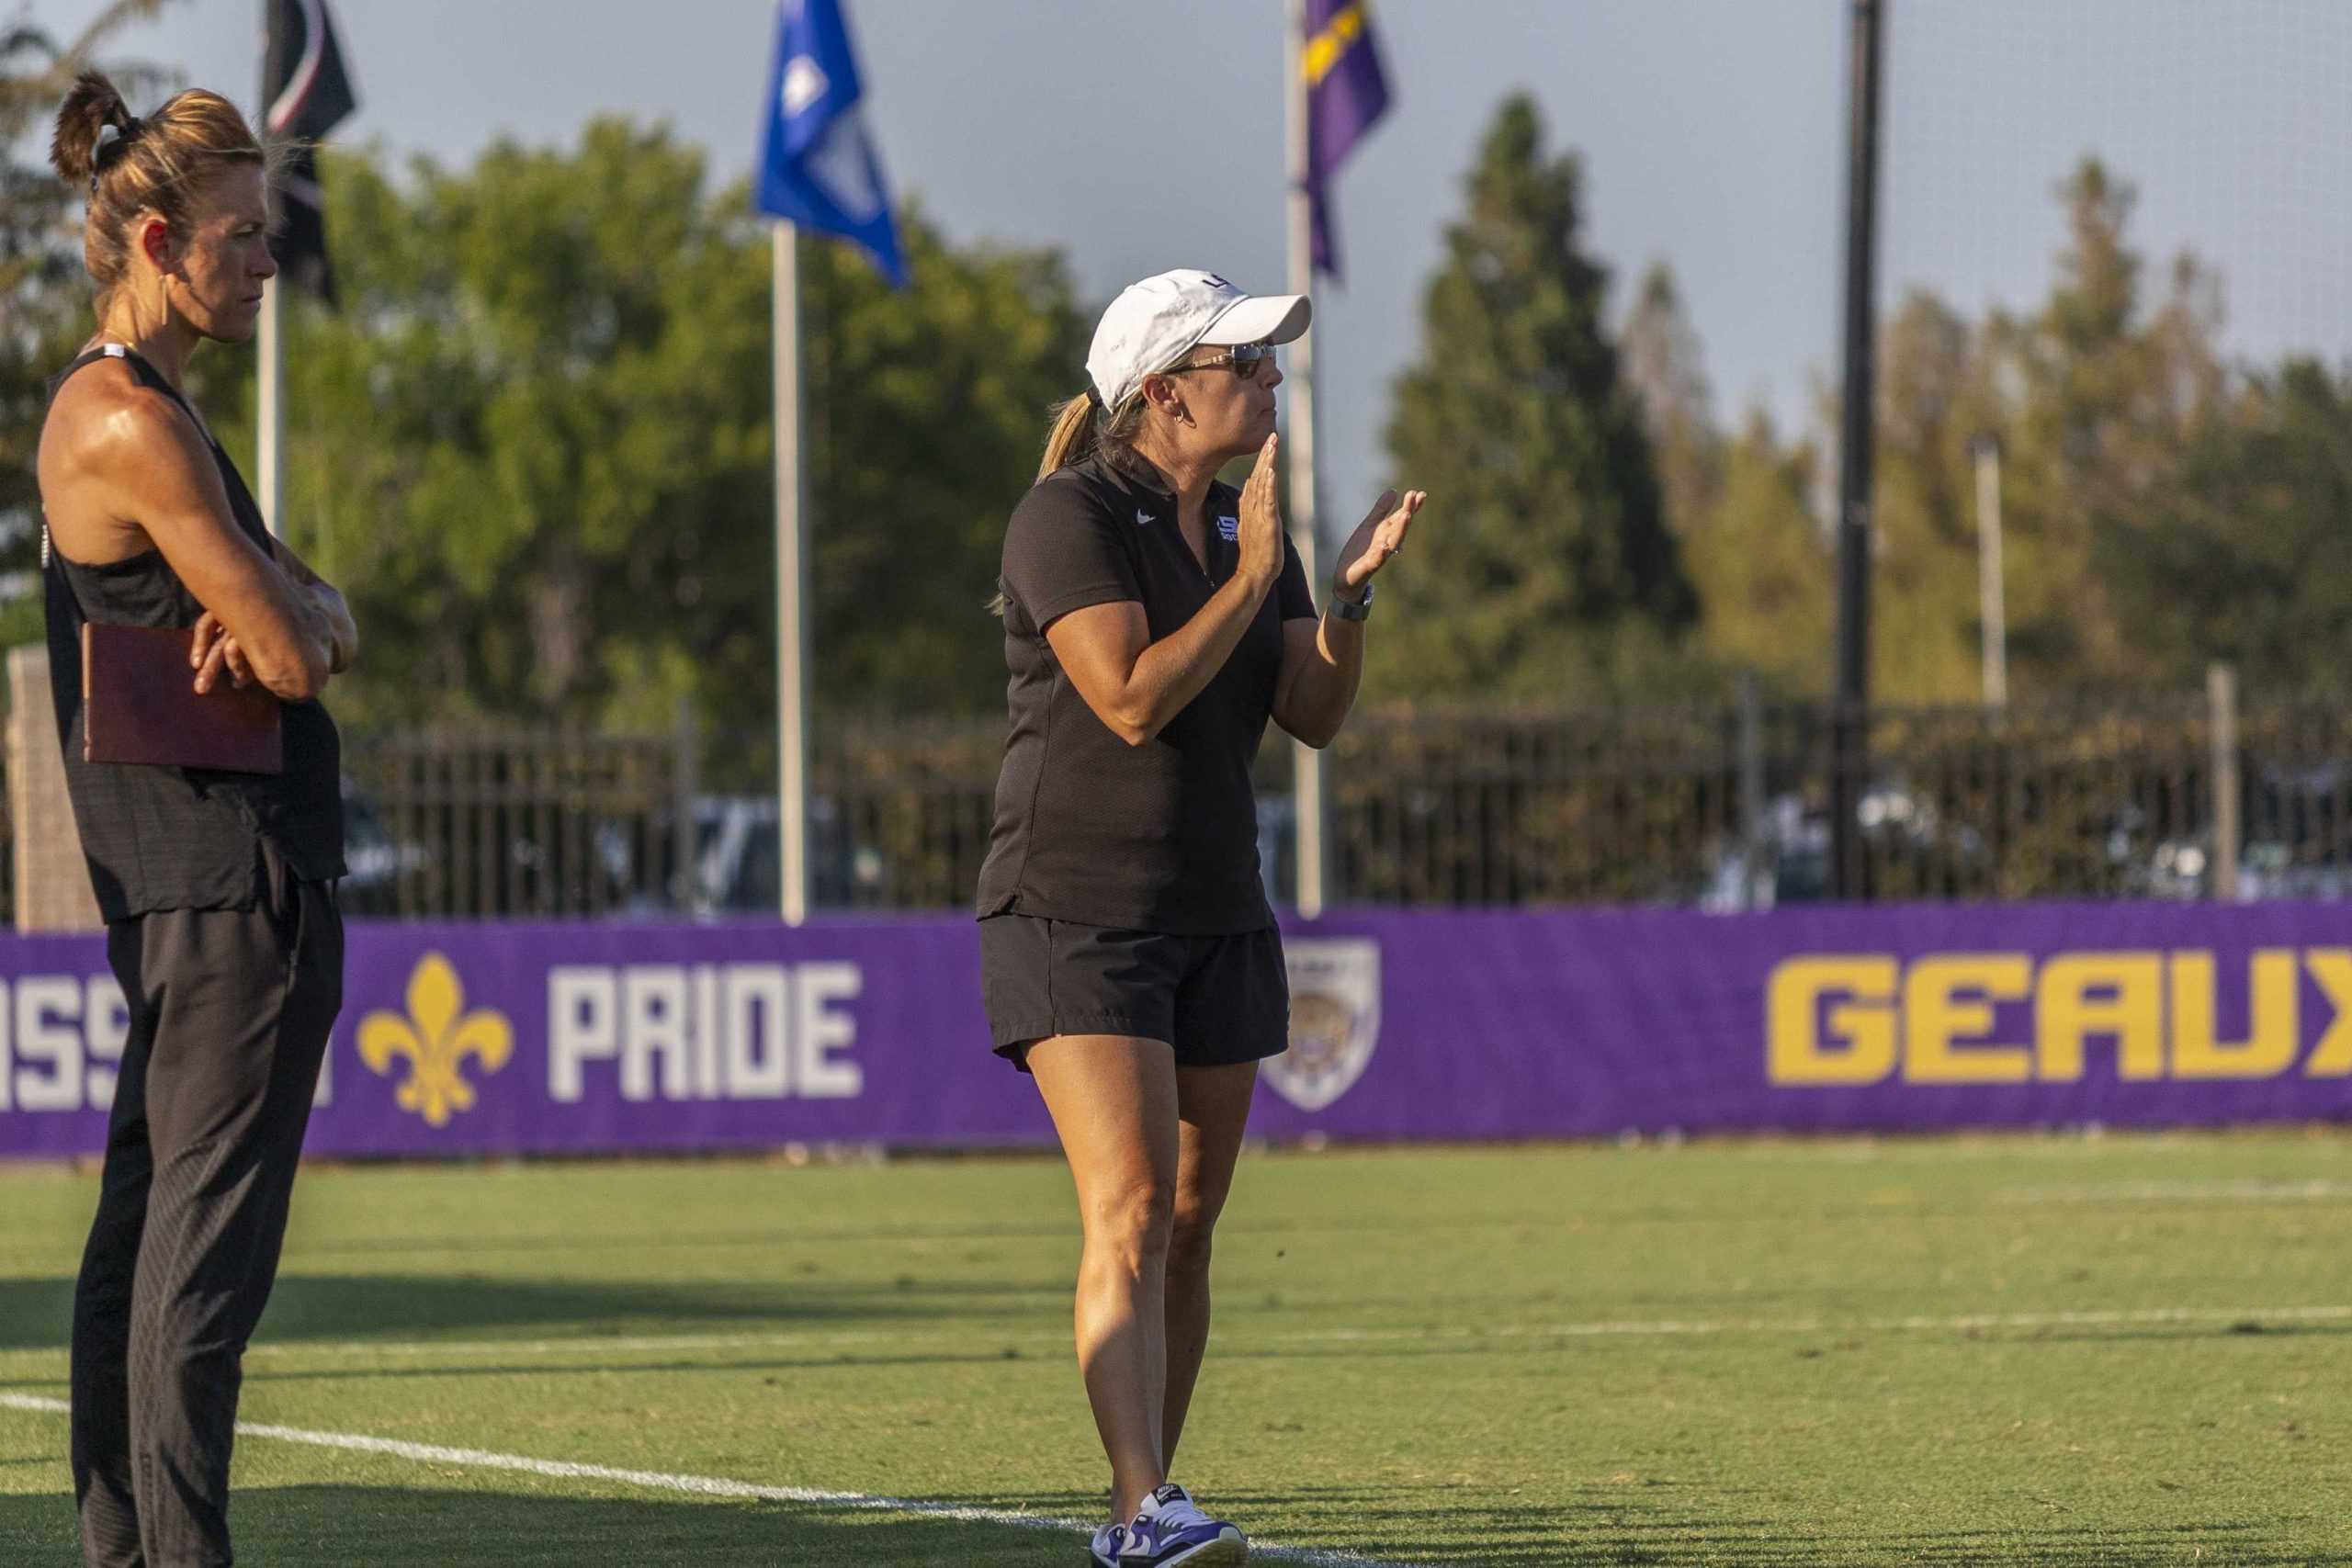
<point x="1154" y="323"/>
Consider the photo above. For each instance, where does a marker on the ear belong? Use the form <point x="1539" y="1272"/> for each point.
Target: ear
<point x="155" y="242"/>
<point x="1163" y="394"/>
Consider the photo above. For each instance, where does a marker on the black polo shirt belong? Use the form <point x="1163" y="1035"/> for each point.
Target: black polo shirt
<point x="1161" y="837"/>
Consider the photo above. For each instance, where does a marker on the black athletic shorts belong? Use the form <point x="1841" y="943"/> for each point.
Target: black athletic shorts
<point x="1218" y="999"/>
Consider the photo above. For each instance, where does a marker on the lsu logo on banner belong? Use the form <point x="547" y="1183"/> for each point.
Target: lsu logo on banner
<point x="1838" y="1019"/>
<point x="436" y="1038"/>
<point x="1334" y="1020"/>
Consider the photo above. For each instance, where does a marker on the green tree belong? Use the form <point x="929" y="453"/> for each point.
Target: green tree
<point x="929" y="412"/>
<point x="1741" y="506"/>
<point x="1665" y="370"/>
<point x="534" y="443"/>
<point x="2095" y="395"/>
<point x="1549" y="570"/>
<point x="1924" y="646"/>
<point x="2242" y="556"/>
<point x="1762" y="565"/>
<point x="2117" y="382"/>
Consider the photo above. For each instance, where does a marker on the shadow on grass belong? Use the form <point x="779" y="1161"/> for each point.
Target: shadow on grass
<point x="1022" y="1342"/>
<point x="1604" y="1527"/>
<point x="337" y="1527"/>
<point x="36" y="1313"/>
<point x="778" y="1238"/>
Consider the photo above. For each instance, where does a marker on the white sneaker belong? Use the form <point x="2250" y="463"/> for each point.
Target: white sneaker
<point x="1171" y="1531"/>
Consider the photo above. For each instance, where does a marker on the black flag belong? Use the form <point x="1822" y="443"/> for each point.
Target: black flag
<point x="307" y="94"/>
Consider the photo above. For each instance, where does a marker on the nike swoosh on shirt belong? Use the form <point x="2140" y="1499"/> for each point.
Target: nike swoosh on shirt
<point x="1143" y="517"/>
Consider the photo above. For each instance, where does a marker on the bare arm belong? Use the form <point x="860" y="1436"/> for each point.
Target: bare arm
<point x="343" y="632"/>
<point x="130" y="457"/>
<point x="1322" y="664"/>
<point x="1135" y="686"/>
<point x="214" y="650"/>
<point x="1323" y="661"/>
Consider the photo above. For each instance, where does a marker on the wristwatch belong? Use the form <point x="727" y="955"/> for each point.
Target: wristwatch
<point x="1354" y="609"/>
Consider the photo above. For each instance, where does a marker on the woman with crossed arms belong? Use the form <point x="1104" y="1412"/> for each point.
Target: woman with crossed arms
<point x="218" y="889"/>
<point x="1154" y="620"/>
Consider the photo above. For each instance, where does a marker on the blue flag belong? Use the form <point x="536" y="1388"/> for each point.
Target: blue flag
<point x="1346" y="92"/>
<point x="817" y="166"/>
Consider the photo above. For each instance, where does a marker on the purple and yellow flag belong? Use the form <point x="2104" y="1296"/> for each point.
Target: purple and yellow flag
<point x="1347" y="93"/>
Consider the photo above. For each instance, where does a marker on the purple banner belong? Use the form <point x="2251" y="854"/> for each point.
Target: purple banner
<point x="471" y="1039"/>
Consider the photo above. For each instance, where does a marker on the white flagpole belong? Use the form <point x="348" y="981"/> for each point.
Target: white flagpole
<point x="1307" y="762"/>
<point x="270" y="410"/>
<point x="791" y="590"/>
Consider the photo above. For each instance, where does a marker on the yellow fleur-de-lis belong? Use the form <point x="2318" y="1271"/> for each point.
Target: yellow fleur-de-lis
<point x="437" y="1037"/>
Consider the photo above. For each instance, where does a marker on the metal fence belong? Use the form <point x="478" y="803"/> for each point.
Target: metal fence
<point x="1722" y="807"/>
<point x="515" y="823"/>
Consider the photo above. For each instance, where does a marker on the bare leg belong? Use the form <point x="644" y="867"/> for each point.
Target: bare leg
<point x="1114" y="1101"/>
<point x="1213" y="1107"/>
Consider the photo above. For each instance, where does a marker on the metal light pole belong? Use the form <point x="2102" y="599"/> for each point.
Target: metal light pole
<point x="791" y="588"/>
<point x="270" y="411"/>
<point x="1311" y="814"/>
<point x="1992" y="597"/>
<point x="1849" y="765"/>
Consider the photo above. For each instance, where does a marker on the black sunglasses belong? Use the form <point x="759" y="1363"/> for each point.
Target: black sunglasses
<point x="1244" y="358"/>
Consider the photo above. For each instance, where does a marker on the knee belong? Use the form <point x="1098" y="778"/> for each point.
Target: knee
<point x="1135" y="1221"/>
<point x="1188" y="1239"/>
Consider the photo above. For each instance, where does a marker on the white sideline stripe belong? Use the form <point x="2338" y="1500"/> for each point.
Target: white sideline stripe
<point x="1625" y="1329"/>
<point x="697" y="1485"/>
<point x="2184" y="1192"/>
<point x="2116" y="1317"/>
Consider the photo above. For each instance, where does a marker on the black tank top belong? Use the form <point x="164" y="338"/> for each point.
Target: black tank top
<point x="161" y="838"/>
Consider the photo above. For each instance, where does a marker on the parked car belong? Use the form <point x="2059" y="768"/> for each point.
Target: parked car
<point x="1789" y="863"/>
<point x="738" y="861"/>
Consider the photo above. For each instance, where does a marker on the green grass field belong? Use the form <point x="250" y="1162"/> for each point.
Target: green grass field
<point x="2054" y="1352"/>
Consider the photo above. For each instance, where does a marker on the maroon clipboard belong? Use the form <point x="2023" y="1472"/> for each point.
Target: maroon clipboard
<point x="139" y="704"/>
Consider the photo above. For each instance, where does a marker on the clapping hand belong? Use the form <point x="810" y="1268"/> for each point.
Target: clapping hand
<point x="1260" y="535"/>
<point x="1379" y="537"/>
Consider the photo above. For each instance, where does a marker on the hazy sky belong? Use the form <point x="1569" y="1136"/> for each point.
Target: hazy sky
<point x="1141" y="136"/>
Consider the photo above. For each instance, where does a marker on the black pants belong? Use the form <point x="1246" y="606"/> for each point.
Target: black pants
<point x="229" y="1014"/>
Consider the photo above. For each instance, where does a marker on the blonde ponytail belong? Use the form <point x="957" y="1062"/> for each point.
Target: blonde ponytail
<point x="1081" y="429"/>
<point x="1071" y="439"/>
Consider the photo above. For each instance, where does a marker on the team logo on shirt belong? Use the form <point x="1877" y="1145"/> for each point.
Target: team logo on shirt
<point x="1334" y="1020"/>
<point x="1228" y="528"/>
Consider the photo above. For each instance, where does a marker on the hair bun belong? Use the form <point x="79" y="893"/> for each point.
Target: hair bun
<point x="92" y="107"/>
